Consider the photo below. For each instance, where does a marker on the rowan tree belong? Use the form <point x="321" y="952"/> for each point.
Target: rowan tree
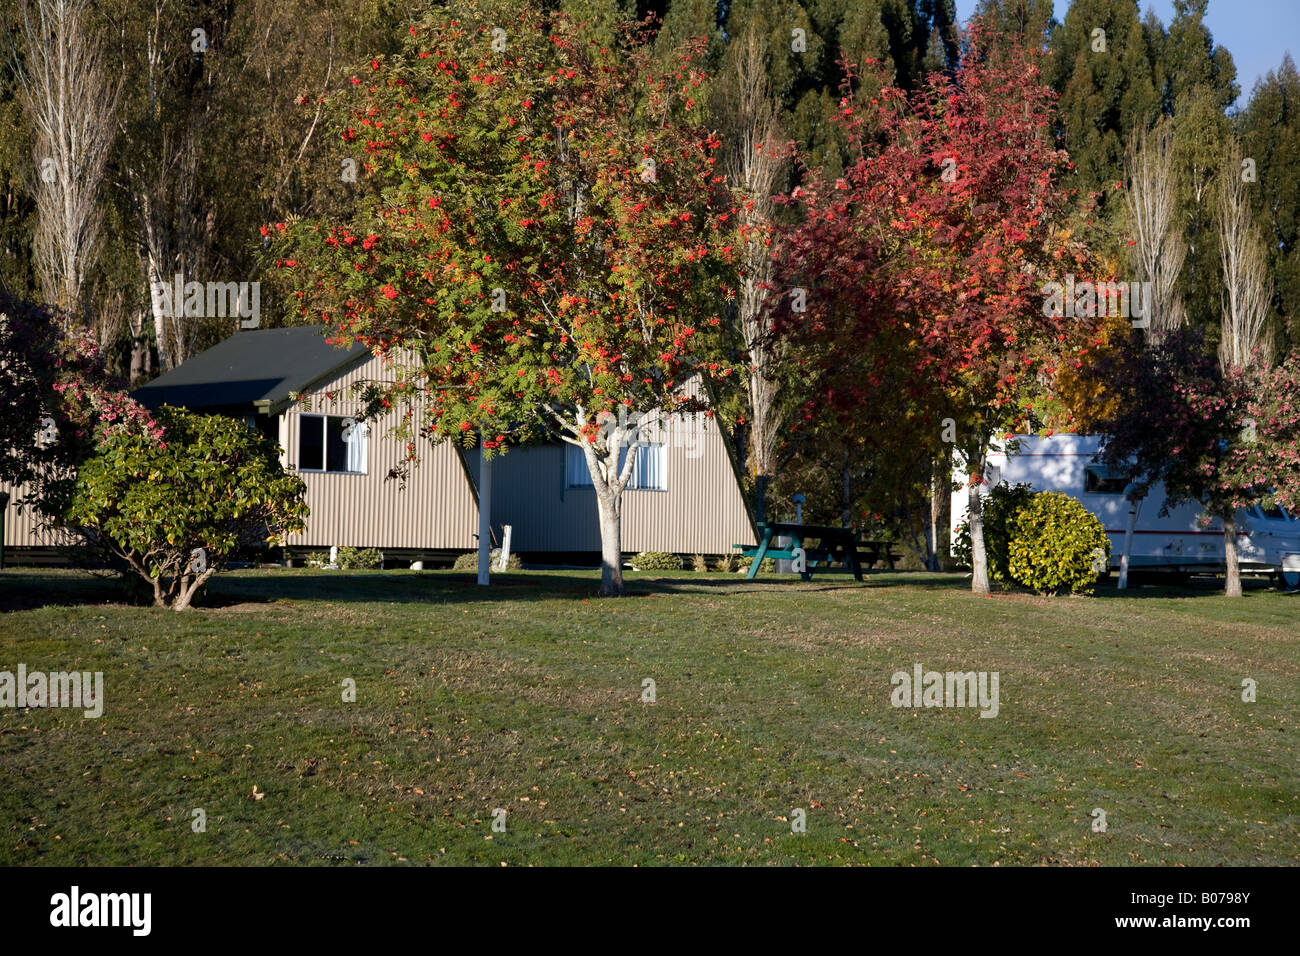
<point x="539" y="240"/>
<point x="1270" y="457"/>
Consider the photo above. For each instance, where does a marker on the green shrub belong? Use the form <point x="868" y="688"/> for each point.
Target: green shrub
<point x="359" y="559"/>
<point x="1002" y="505"/>
<point x="174" y="512"/>
<point x="769" y="565"/>
<point x="656" y="561"/>
<point x="728" y="563"/>
<point x="1057" y="545"/>
<point x="469" y="561"/>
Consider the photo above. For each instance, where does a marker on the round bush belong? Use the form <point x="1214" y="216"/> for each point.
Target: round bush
<point x="360" y="559"/>
<point x="656" y="561"/>
<point x="1057" y="545"/>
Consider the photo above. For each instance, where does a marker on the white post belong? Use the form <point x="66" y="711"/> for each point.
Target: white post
<point x="484" y="515"/>
<point x="503" y="562"/>
<point x="1134" y="503"/>
<point x="334" y="556"/>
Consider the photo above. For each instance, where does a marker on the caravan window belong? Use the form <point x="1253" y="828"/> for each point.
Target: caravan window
<point x="1274" y="512"/>
<point x="1101" y="480"/>
<point x="649" y="473"/>
<point x="331" y="443"/>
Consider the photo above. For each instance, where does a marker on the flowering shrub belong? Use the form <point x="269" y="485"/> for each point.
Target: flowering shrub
<point x="59" y="401"/>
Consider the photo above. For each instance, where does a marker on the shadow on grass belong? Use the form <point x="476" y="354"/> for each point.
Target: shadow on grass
<point x="23" y="589"/>
<point x="462" y="587"/>
<point x="1196" y="587"/>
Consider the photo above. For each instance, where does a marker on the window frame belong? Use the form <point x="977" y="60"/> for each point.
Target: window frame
<point x="632" y="485"/>
<point x="360" y="427"/>
<point x="1104" y="475"/>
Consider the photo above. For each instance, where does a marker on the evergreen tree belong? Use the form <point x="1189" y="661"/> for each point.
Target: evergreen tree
<point x="1102" y="72"/>
<point x="1201" y="85"/>
<point x="1270" y="135"/>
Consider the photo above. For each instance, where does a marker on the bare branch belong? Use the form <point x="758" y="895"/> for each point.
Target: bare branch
<point x="1247" y="286"/>
<point x="1159" y="251"/>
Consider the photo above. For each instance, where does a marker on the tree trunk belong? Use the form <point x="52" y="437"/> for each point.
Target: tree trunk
<point x="190" y="585"/>
<point x="936" y="509"/>
<point x="760" y="498"/>
<point x="154" y="277"/>
<point x="610" y="507"/>
<point x="1127" y="552"/>
<point x="1233" y="585"/>
<point x="846" y="495"/>
<point x="139" y="349"/>
<point x="979" y="583"/>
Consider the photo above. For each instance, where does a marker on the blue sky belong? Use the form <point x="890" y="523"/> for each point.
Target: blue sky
<point x="1256" y="32"/>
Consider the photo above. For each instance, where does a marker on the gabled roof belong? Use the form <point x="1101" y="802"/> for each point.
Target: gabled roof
<point x="258" y="368"/>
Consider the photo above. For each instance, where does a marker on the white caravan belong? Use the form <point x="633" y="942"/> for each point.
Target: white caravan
<point x="1267" y="541"/>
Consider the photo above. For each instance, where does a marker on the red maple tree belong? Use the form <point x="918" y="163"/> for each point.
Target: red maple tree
<point x="922" y="268"/>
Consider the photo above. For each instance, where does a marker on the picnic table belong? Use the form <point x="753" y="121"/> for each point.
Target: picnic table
<point x="833" y="546"/>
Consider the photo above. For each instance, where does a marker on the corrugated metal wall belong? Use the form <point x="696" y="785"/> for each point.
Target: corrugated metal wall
<point x="20" y="527"/>
<point x="435" y="510"/>
<point x="702" y="512"/>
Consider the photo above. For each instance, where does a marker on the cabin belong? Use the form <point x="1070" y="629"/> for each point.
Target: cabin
<point x="685" y="496"/>
<point x="276" y="380"/>
<point x="1178" y="543"/>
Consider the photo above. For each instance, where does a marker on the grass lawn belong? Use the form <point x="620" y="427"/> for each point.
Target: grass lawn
<point x="771" y="695"/>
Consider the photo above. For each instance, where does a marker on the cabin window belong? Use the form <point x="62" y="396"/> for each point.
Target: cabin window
<point x="1100" y="480"/>
<point x="332" y="443"/>
<point x="1274" y="512"/>
<point x="649" y="473"/>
